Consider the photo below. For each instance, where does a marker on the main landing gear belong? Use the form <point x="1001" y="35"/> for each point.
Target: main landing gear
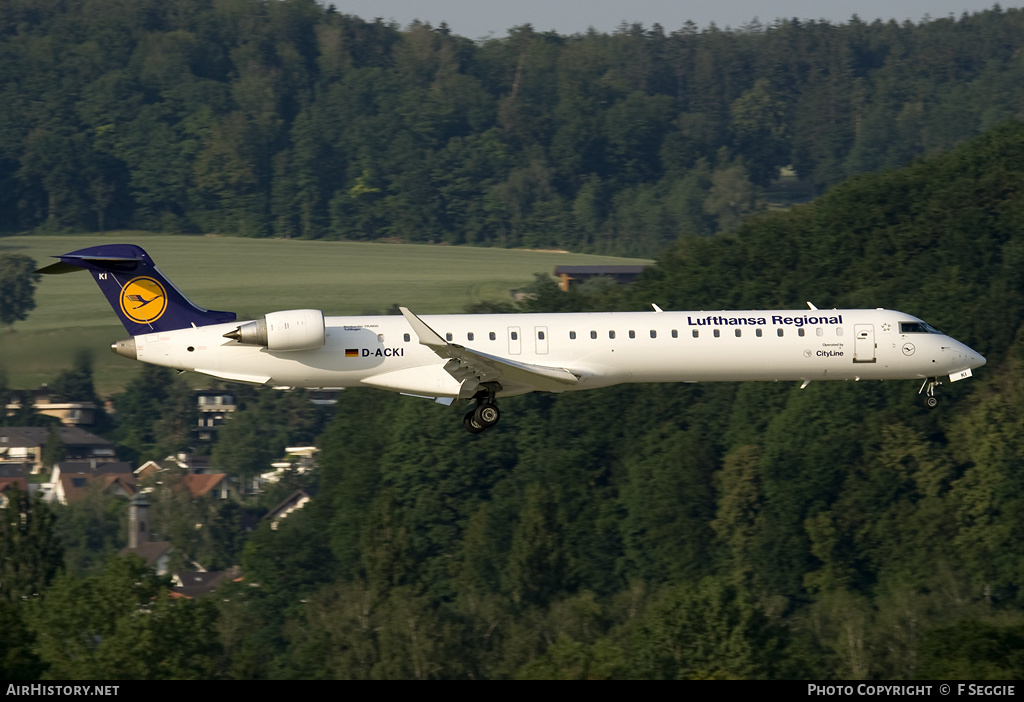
<point x="928" y="387"/>
<point x="484" y="415"/>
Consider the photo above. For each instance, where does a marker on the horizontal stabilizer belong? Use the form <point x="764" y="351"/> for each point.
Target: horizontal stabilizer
<point x="140" y="295"/>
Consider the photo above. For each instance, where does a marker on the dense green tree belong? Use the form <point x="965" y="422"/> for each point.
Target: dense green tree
<point x="31" y="553"/>
<point x="17" y="287"/>
<point x="122" y="625"/>
<point x="706" y="631"/>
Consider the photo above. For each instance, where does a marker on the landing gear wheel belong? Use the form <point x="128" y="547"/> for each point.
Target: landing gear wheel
<point x="928" y="388"/>
<point x="486" y="414"/>
<point x="471" y="424"/>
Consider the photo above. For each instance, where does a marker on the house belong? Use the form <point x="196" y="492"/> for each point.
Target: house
<point x="622" y="275"/>
<point x="216" y="485"/>
<point x="69" y="480"/>
<point x="214" y="407"/>
<point x="22" y="444"/>
<point x="297" y="459"/>
<point x="79" y="414"/>
<point x="297" y="500"/>
<point x="12" y="476"/>
<point x="196" y="583"/>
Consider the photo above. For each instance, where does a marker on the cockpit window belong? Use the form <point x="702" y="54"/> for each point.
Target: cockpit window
<point x="917" y="328"/>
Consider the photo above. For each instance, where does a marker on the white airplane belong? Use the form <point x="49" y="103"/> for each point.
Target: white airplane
<point x="485" y="356"/>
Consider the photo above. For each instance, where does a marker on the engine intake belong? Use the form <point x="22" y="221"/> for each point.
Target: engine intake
<point x="291" y="330"/>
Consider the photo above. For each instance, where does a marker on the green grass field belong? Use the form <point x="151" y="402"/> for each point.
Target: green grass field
<point x="253" y="277"/>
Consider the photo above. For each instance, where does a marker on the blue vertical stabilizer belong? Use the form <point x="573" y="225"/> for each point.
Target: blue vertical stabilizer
<point x="142" y="297"/>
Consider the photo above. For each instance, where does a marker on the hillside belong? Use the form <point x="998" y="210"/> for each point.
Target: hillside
<point x="292" y="120"/>
<point x="711" y="530"/>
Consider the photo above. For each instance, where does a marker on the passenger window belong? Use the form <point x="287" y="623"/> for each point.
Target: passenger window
<point x="380" y="338"/>
<point x="718" y="333"/>
<point x="654" y="334"/>
<point x="757" y="333"/>
<point x="469" y="336"/>
<point x="800" y="331"/>
<point x="611" y="335"/>
<point x="696" y="333"/>
<point x="540" y="335"/>
<point x="839" y="331"/>
<point x="739" y="332"/>
<point x="448" y="336"/>
<point x="675" y="333"/>
<point x="405" y="336"/>
<point x="819" y="332"/>
<point x="779" y="331"/>
<point x="593" y="335"/>
<point x="515" y="336"/>
<point x="632" y="334"/>
<point x="572" y="335"/>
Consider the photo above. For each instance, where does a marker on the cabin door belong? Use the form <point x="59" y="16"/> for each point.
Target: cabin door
<point x="864" y="343"/>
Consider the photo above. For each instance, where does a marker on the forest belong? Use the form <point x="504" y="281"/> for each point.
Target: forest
<point x="288" y="119"/>
<point x="705" y="531"/>
<point x="719" y="530"/>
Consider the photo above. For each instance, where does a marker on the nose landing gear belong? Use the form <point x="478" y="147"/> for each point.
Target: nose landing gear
<point x="928" y="387"/>
<point x="484" y="415"/>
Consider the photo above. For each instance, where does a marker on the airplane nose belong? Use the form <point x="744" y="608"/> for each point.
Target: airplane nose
<point x="973" y="358"/>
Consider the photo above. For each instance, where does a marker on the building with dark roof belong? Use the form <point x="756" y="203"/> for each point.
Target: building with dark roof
<point x="25" y="444"/>
<point x="622" y="275"/>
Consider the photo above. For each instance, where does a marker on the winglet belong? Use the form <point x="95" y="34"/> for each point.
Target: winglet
<point x="656" y="308"/>
<point x="427" y="336"/>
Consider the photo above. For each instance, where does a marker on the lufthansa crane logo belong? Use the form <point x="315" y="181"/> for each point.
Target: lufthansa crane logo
<point x="143" y="300"/>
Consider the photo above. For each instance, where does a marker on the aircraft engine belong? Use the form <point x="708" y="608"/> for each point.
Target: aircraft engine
<point x="291" y="330"/>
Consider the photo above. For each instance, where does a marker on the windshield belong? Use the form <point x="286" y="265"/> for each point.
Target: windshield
<point x="917" y="328"/>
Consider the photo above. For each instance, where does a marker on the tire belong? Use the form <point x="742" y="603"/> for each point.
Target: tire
<point x="931" y="402"/>
<point x="486" y="414"/>
<point x="470" y="423"/>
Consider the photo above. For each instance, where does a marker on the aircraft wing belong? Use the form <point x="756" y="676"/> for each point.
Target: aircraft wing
<point x="466" y="364"/>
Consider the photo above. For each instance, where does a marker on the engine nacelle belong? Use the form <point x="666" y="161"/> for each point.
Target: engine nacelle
<point x="291" y="330"/>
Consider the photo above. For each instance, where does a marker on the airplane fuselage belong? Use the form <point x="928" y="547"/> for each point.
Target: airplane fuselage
<point x="601" y="349"/>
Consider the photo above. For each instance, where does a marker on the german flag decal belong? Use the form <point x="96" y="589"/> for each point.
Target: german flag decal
<point x="351" y="353"/>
